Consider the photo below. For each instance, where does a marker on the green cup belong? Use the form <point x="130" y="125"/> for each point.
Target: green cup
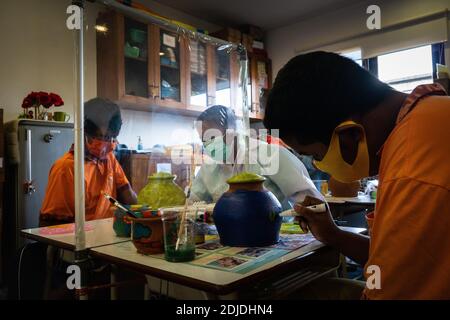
<point x="61" y="116"/>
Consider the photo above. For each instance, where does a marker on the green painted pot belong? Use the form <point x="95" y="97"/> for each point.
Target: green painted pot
<point x="161" y="192"/>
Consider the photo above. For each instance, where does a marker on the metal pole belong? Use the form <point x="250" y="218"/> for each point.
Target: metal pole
<point x="143" y="16"/>
<point x="81" y="258"/>
<point x="243" y="75"/>
<point x="80" y="239"/>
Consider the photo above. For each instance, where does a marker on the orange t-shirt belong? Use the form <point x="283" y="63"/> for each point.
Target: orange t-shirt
<point x="410" y="228"/>
<point x="104" y="175"/>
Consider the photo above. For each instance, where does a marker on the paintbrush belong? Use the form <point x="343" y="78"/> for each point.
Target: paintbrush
<point x="316" y="208"/>
<point x="117" y="204"/>
<point x="188" y="194"/>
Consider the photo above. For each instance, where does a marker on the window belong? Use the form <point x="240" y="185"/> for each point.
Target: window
<point x="355" y="55"/>
<point x="404" y="70"/>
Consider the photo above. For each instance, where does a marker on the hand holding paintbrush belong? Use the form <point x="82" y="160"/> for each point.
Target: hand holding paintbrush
<point x="117" y="204"/>
<point x="319" y="220"/>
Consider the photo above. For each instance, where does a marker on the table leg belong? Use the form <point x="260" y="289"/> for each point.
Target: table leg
<point x="146" y="292"/>
<point x="82" y="261"/>
<point x="51" y="251"/>
<point x="113" y="280"/>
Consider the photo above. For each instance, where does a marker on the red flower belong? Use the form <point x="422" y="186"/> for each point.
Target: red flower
<point x="37" y="99"/>
<point x="27" y="103"/>
<point x="56" y="99"/>
<point x="45" y="100"/>
<point x="33" y="97"/>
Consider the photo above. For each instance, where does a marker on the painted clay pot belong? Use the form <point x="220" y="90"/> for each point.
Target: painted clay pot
<point x="161" y="192"/>
<point x="121" y="224"/>
<point x="147" y="235"/>
<point x="341" y="189"/>
<point x="247" y="215"/>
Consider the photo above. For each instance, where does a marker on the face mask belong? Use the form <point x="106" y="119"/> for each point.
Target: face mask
<point x="337" y="167"/>
<point x="217" y="149"/>
<point x="100" y="148"/>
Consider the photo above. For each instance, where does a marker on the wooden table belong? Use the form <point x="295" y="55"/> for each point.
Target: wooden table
<point x="361" y="199"/>
<point x="343" y="207"/>
<point x="293" y="269"/>
<point x="101" y="234"/>
<point x="275" y="278"/>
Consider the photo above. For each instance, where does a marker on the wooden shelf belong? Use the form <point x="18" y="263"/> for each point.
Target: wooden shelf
<point x="170" y="66"/>
<point x="198" y="74"/>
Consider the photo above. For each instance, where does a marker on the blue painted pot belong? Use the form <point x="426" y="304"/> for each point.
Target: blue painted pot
<point x="248" y="216"/>
<point x="121" y="225"/>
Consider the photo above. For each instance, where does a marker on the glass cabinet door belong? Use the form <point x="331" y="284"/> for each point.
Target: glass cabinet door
<point x="239" y="101"/>
<point x="136" y="58"/>
<point x="170" y="66"/>
<point x="223" y="78"/>
<point x="199" y="74"/>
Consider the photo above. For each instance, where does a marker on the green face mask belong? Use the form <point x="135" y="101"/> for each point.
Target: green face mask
<point x="217" y="149"/>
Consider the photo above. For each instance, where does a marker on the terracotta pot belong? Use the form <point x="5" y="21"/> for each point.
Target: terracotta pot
<point x="341" y="189"/>
<point x="147" y="235"/>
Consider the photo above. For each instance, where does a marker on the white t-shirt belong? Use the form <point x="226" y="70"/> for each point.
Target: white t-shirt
<point x="287" y="177"/>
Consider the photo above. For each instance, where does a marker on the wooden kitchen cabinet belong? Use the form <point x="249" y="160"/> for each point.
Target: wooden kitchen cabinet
<point x="260" y="71"/>
<point x="169" y="51"/>
<point x="141" y="66"/>
<point x="145" y="67"/>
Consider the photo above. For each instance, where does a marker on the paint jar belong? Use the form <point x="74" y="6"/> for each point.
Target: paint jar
<point x="321" y="186"/>
<point x="179" y="237"/>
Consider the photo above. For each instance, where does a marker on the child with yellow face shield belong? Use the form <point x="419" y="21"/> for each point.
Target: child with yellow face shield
<point x="356" y="126"/>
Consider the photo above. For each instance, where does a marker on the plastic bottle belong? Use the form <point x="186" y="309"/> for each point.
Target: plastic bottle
<point x="139" y="145"/>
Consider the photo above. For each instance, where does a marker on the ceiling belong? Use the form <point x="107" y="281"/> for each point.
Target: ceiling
<point x="267" y="14"/>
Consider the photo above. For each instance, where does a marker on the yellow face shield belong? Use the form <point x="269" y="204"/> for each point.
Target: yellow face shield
<point x="337" y="167"/>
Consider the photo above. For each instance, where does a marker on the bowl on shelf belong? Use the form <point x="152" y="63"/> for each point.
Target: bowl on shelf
<point x="131" y="52"/>
<point x="137" y="36"/>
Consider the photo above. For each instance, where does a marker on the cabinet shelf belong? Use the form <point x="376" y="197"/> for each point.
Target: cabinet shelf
<point x="136" y="59"/>
<point x="198" y="74"/>
<point x="171" y="67"/>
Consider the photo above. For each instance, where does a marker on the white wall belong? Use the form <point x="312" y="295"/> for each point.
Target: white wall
<point x="37" y="54"/>
<point x="156" y="128"/>
<point x="345" y="22"/>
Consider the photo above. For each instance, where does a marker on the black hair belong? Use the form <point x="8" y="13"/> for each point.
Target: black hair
<point x="314" y="92"/>
<point x="99" y="113"/>
<point x="223" y="117"/>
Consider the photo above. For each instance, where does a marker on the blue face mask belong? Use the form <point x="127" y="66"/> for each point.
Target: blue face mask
<point x="217" y="149"/>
